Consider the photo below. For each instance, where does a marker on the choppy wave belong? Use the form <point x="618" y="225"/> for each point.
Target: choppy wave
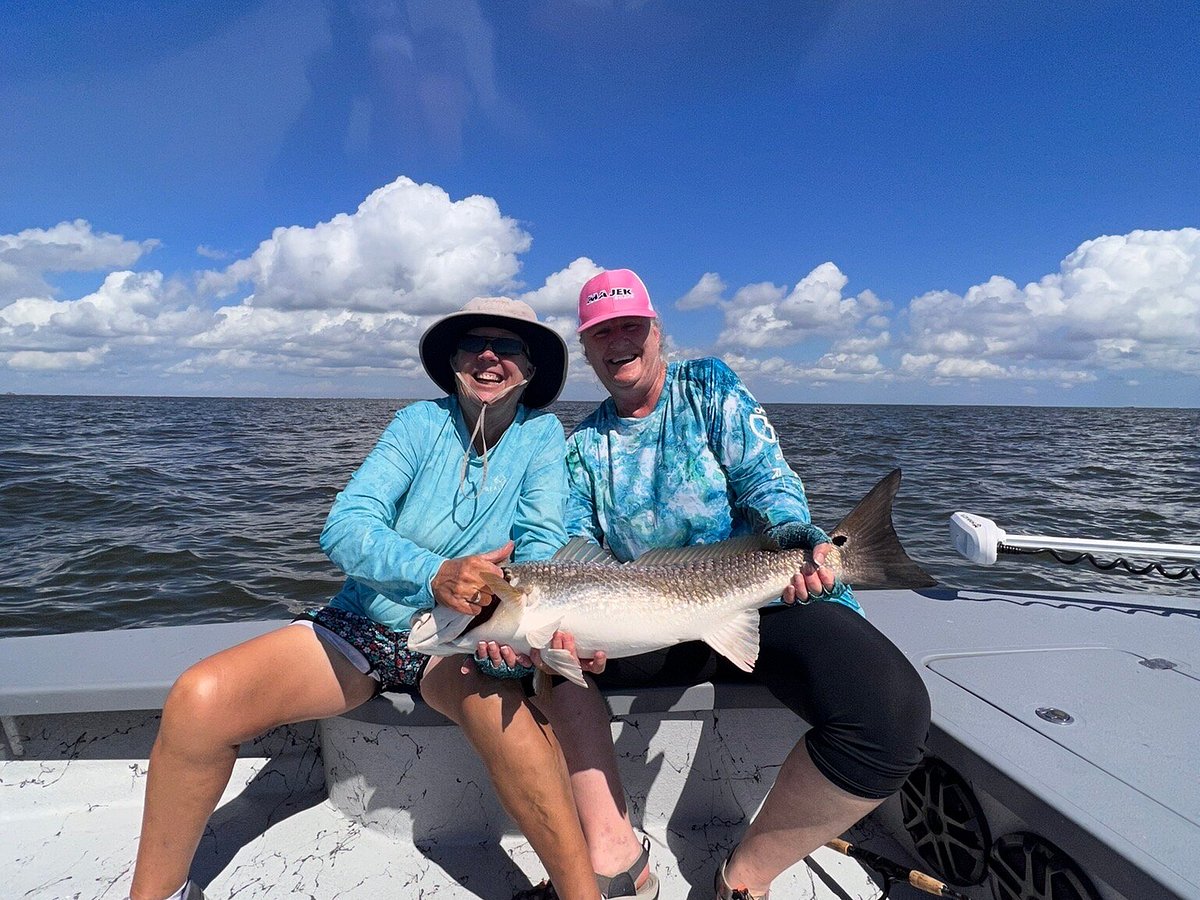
<point x="119" y="512"/>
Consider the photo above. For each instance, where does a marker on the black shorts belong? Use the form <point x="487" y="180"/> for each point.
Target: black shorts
<point x="868" y="707"/>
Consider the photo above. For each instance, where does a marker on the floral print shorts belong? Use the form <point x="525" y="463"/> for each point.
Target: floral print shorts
<point x="386" y="651"/>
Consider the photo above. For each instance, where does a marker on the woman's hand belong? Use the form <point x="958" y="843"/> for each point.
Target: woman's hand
<point x="812" y="580"/>
<point x="459" y="582"/>
<point x="499" y="661"/>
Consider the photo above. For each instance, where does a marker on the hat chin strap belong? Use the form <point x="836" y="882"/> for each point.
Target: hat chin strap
<point x="503" y="409"/>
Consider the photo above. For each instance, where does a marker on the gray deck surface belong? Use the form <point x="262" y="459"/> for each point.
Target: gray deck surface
<point x="1118" y="785"/>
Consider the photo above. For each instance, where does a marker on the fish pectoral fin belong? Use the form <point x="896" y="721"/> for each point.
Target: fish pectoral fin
<point x="565" y="664"/>
<point x="737" y="640"/>
<point x="440" y="625"/>
<point x="540" y="635"/>
<point x="502" y="589"/>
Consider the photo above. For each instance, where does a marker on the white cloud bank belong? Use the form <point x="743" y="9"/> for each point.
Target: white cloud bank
<point x="349" y="297"/>
<point x="1118" y="304"/>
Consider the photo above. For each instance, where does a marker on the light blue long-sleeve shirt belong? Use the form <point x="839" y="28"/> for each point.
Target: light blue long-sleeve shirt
<point x="703" y="466"/>
<point x="403" y="513"/>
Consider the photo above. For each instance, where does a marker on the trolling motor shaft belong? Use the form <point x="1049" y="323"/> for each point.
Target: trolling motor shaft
<point x="980" y="540"/>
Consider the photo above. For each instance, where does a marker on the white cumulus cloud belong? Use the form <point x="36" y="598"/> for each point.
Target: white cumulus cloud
<point x="25" y="257"/>
<point x="308" y="340"/>
<point x="559" y="296"/>
<point x="708" y="291"/>
<point x="408" y="248"/>
<point x="764" y="315"/>
<point x="130" y="310"/>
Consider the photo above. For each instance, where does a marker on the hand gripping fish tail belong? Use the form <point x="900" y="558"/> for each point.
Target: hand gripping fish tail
<point x="710" y="593"/>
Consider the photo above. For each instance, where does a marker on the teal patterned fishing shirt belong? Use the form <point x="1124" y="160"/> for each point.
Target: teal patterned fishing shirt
<point x="704" y="466"/>
<point x="409" y="506"/>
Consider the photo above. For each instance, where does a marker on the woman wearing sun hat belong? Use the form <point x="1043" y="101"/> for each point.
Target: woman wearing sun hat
<point x="453" y="487"/>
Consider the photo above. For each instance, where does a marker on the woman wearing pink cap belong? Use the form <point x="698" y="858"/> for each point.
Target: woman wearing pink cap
<point x="682" y="454"/>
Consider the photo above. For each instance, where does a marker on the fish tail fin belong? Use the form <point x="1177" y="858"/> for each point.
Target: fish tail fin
<point x="870" y="549"/>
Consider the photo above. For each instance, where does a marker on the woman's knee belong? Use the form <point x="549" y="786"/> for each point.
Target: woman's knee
<point x="871" y="746"/>
<point x="202" y="702"/>
<point x="898" y="719"/>
<point x="868" y="706"/>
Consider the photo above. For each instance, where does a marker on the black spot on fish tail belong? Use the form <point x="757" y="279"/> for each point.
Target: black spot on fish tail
<point x="871" y="552"/>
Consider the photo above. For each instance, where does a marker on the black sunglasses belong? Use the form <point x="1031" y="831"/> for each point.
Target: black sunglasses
<point x="501" y="346"/>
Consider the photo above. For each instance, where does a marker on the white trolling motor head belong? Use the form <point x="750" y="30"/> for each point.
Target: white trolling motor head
<point x="976" y="537"/>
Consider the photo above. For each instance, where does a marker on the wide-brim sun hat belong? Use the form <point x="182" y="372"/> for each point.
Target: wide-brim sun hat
<point x="611" y="295"/>
<point x="547" y="349"/>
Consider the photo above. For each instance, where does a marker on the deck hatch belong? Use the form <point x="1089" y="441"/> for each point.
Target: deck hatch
<point x="1134" y="722"/>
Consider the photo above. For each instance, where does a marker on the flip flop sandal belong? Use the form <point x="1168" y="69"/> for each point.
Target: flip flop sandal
<point x="625" y="884"/>
<point x="611" y="888"/>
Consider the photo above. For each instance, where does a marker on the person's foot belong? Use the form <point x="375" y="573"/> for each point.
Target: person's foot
<point x="625" y="884"/>
<point x="616" y="887"/>
<point x="725" y="891"/>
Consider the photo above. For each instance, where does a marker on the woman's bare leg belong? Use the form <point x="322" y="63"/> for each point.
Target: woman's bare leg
<point x="526" y="766"/>
<point x="581" y="719"/>
<point x="803" y="810"/>
<point x="278" y="678"/>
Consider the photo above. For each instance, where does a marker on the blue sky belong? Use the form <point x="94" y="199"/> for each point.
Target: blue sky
<point x="850" y="202"/>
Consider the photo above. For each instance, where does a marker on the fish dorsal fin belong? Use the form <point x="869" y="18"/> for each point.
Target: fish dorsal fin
<point x="440" y="625"/>
<point x="502" y="589"/>
<point x="565" y="664"/>
<point x="674" y="556"/>
<point x="737" y="640"/>
<point x="581" y="550"/>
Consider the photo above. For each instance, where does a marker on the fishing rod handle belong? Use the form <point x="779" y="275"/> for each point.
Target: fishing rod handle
<point x="929" y="885"/>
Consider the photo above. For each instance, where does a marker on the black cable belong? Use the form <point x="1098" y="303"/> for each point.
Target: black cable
<point x="1119" y="562"/>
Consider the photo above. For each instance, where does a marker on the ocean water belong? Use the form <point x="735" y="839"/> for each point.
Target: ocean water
<point x="120" y="512"/>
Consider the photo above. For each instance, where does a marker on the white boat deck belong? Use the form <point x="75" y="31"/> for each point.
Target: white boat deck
<point x="389" y="802"/>
<point x="72" y="808"/>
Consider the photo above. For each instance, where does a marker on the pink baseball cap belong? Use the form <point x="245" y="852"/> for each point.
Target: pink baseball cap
<point x="612" y="294"/>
